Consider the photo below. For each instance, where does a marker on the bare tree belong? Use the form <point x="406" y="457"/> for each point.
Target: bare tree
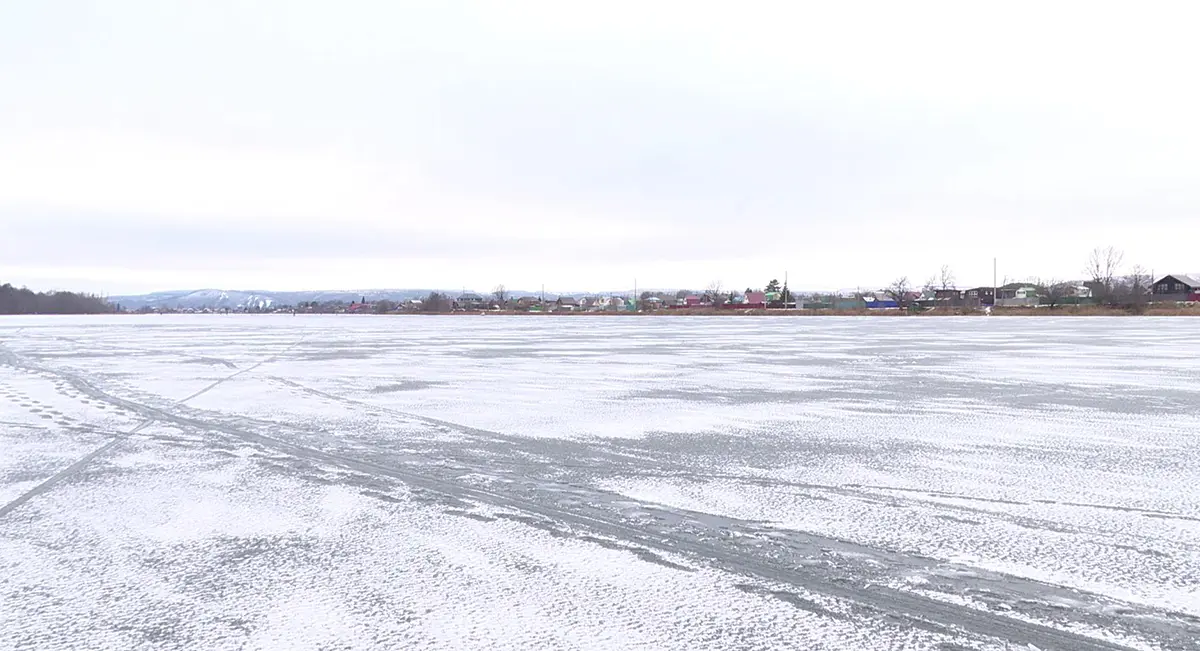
<point x="1102" y="268"/>
<point x="946" y="279"/>
<point x="500" y="293"/>
<point x="898" y="291"/>
<point x="1136" y="287"/>
<point x="436" y="302"/>
<point x="931" y="285"/>
<point x="715" y="293"/>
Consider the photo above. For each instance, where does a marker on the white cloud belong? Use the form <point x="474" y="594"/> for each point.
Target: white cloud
<point x="128" y="176"/>
<point x="680" y="142"/>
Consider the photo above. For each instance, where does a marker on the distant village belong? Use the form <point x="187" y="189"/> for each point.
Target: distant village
<point x="1110" y="287"/>
<point x="1131" y="292"/>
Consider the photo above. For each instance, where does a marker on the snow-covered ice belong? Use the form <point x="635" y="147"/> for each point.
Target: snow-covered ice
<point x="312" y="482"/>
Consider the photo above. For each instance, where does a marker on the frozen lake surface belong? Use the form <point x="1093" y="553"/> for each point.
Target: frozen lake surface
<point x="226" y="482"/>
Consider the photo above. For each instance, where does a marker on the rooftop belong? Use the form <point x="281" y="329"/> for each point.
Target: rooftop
<point x="1183" y="278"/>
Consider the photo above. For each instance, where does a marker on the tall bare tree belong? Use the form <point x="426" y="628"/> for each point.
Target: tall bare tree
<point x="436" y="302"/>
<point x="500" y="293"/>
<point x="1102" y="268"/>
<point x="1136" y="287"/>
<point x="898" y="291"/>
<point x="947" y="277"/>
<point x="715" y="293"/>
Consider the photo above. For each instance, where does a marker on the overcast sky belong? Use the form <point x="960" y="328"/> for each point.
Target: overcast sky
<point x="296" y="144"/>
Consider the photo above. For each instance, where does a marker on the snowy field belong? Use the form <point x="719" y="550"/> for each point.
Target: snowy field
<point x="311" y="482"/>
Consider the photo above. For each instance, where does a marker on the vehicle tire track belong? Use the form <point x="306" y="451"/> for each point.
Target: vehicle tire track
<point x="850" y="490"/>
<point x="910" y="609"/>
<point x="69" y="471"/>
<point x="1023" y="591"/>
<point x="77" y="466"/>
<point x="147" y="351"/>
<point x="1016" y="592"/>
<point x="240" y="372"/>
<point x="890" y="604"/>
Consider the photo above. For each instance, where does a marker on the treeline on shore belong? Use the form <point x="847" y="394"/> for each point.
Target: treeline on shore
<point x="21" y="300"/>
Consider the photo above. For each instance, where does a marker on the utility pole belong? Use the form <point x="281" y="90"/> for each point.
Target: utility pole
<point x="995" y="288"/>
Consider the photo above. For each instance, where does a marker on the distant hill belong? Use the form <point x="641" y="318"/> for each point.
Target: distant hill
<point x="261" y="299"/>
<point x="211" y="298"/>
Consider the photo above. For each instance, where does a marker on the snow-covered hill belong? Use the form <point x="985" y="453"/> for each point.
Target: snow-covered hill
<point x="233" y="299"/>
<point x="197" y="299"/>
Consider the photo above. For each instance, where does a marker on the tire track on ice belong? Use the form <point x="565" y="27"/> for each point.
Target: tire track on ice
<point x="146" y="351"/>
<point x="241" y="372"/>
<point x="15" y="360"/>
<point x="1019" y="590"/>
<point x="880" y="602"/>
<point x="852" y="490"/>
<point x="67" y="472"/>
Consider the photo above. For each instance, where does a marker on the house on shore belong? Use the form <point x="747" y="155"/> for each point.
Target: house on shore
<point x="566" y="304"/>
<point x="1017" y="295"/>
<point x="1175" y="288"/>
<point x="617" y="304"/>
<point x="979" y="296"/>
<point x="737" y="302"/>
<point x="876" y="303"/>
<point x="471" y="301"/>
<point x="947" y="297"/>
<point x="754" y="301"/>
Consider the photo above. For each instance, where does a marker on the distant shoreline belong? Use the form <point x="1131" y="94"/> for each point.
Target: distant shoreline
<point x="1066" y="310"/>
<point x="1001" y="311"/>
